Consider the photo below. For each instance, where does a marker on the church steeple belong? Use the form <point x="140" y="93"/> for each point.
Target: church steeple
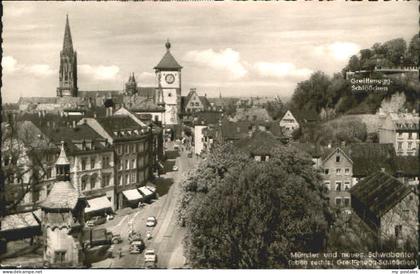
<point x="68" y="66"/>
<point x="131" y="85"/>
<point x="67" y="43"/>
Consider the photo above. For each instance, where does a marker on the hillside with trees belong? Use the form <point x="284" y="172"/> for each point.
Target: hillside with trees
<point x="240" y="213"/>
<point x="332" y="95"/>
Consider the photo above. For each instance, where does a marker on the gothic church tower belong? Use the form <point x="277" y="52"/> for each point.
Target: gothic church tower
<point x="68" y="66"/>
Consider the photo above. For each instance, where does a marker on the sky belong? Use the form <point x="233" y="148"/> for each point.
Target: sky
<point x="231" y="48"/>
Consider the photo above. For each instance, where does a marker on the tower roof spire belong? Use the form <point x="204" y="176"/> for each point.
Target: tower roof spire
<point x="62" y="159"/>
<point x="67" y="43"/>
<point x="167" y="44"/>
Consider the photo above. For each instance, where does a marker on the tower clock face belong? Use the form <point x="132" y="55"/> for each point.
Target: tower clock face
<point x="169" y="78"/>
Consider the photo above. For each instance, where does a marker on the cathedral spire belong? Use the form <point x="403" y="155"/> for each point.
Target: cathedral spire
<point x="68" y="66"/>
<point x="67" y="43"/>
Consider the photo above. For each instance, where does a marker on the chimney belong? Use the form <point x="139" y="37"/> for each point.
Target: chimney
<point x="74" y="123"/>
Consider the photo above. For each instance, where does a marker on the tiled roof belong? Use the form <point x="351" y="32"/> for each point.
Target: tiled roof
<point x="145" y="105"/>
<point x="99" y="93"/>
<point x="315" y="151"/>
<point x="168" y="62"/>
<point x="379" y="192"/>
<point x="118" y="125"/>
<point x="19" y="221"/>
<point x="208" y="117"/>
<point x="372" y="157"/>
<point x="251" y="114"/>
<point x="408" y="165"/>
<point x="260" y="143"/>
<point x="70" y="136"/>
<point x="62" y="195"/>
<point x="148" y="92"/>
<point x="205" y="102"/>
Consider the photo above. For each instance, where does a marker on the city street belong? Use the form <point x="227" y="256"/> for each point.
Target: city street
<point x="167" y="236"/>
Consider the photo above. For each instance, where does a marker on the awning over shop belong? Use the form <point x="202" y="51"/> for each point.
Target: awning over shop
<point x="145" y="191"/>
<point x="96" y="204"/>
<point x="132" y="195"/>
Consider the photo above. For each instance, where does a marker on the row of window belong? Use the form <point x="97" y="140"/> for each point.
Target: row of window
<point x="409" y="145"/>
<point x="106" y="163"/>
<point x="129" y="178"/>
<point x="127" y="164"/>
<point x="131" y="148"/>
<point x="92" y="181"/>
<point x="400" y="135"/>
<point x="342" y="201"/>
<point x="196" y="104"/>
<point x="339" y="186"/>
<point x="338" y="171"/>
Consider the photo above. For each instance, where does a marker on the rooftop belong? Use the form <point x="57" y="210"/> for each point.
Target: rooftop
<point x="62" y="196"/>
<point x="260" y="143"/>
<point x="379" y="192"/>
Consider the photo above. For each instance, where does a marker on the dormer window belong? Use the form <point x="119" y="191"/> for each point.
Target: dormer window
<point x="136" y="132"/>
<point x="115" y="133"/>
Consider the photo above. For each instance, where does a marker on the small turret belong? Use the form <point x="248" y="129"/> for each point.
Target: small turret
<point x="62" y="165"/>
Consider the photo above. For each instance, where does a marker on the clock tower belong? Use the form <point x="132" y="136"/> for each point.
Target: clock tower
<point x="168" y="76"/>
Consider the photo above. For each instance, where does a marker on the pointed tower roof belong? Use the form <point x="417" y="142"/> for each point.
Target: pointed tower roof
<point x="67" y="43"/>
<point x="168" y="61"/>
<point x="62" y="159"/>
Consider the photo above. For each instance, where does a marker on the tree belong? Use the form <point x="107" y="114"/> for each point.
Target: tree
<point x="275" y="108"/>
<point x="22" y="165"/>
<point x="259" y="212"/>
<point x="395" y="50"/>
<point x="412" y="56"/>
<point x="311" y="94"/>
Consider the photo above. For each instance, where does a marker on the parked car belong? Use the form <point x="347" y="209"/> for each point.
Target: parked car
<point x="176" y="147"/>
<point x="109" y="217"/>
<point x="96" y="220"/>
<point x="189" y="155"/>
<point x="134" y="236"/>
<point x="149" y="265"/>
<point x="150" y="256"/>
<point x="175" y="168"/>
<point x="116" y="238"/>
<point x="136" y="247"/>
<point x="151" y="221"/>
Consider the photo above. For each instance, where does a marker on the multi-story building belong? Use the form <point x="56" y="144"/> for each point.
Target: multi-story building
<point x="168" y="76"/>
<point x="133" y="157"/>
<point x="91" y="159"/>
<point x="194" y="103"/>
<point x="401" y="130"/>
<point x="337" y="172"/>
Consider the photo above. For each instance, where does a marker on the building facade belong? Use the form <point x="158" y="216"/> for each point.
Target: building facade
<point x="288" y="123"/>
<point x="133" y="159"/>
<point x="401" y="130"/>
<point x="168" y="76"/>
<point x="337" y="170"/>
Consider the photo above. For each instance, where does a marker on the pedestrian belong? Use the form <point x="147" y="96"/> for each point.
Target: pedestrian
<point x="119" y="253"/>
